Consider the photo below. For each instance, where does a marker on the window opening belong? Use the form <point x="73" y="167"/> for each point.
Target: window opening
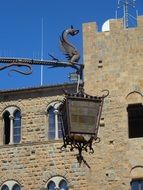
<point x="63" y="185"/>
<point x="54" y="128"/>
<point x="5" y="187"/>
<point x="137" y="185"/>
<point x="135" y="120"/>
<point x="16" y="187"/>
<point x="6" y="127"/>
<point x="17" y="127"/>
<point x="51" y="130"/>
<point x="51" y="185"/>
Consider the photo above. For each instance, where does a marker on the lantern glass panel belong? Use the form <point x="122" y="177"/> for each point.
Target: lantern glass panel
<point x="84" y="115"/>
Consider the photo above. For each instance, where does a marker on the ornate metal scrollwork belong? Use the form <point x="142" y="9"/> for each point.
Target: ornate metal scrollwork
<point x="19" y="65"/>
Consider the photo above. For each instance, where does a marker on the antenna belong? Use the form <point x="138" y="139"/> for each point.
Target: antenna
<point x="127" y="5"/>
<point x="42" y="50"/>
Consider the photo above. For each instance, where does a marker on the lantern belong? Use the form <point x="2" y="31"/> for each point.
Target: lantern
<point x="80" y="115"/>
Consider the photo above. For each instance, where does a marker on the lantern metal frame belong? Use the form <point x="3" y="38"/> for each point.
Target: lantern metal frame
<point x="75" y="139"/>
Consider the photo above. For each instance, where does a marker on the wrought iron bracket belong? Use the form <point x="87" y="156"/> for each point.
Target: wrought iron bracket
<point x="9" y="62"/>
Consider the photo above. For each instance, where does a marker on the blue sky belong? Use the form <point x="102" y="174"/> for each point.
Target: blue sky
<point x="21" y="26"/>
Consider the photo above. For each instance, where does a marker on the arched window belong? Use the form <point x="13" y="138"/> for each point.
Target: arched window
<point x="57" y="182"/>
<point x="10" y="185"/>
<point x="54" y="123"/>
<point x="12" y="125"/>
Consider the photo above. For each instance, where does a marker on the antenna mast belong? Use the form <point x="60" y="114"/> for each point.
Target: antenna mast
<point x="42" y="52"/>
<point x="126" y="4"/>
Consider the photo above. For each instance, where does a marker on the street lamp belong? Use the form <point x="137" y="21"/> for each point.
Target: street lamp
<point x="80" y="115"/>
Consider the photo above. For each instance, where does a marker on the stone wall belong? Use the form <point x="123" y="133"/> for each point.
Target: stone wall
<point x="33" y="164"/>
<point x="114" y="61"/>
<point x="35" y="159"/>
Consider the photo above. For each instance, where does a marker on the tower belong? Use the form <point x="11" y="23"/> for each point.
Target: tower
<point x="114" y="60"/>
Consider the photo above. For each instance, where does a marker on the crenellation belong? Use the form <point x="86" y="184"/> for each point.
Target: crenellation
<point x="116" y="25"/>
<point x="140" y="22"/>
<point x="89" y="29"/>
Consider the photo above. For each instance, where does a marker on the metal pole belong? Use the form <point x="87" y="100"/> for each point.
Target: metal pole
<point x="42" y="52"/>
<point x="126" y="14"/>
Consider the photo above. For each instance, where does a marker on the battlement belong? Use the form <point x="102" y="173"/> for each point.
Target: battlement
<point x="140" y="21"/>
<point x="117" y="50"/>
<point x="113" y="25"/>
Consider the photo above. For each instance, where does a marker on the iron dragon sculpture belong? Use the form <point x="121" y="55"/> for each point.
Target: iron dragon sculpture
<point x="67" y="48"/>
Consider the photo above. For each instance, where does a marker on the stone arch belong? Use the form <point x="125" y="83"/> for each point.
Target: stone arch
<point x="137" y="172"/>
<point x="58" y="174"/>
<point x="134" y="97"/>
<point x="10" y="108"/>
<point x="56" y="180"/>
<point x="10" y="183"/>
<point x="55" y="104"/>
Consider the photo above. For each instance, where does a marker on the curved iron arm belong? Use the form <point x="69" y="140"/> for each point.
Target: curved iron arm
<point x="107" y="93"/>
<point x="29" y="62"/>
<point x="19" y="65"/>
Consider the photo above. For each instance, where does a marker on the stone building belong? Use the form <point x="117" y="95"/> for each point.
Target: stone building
<point x="30" y="138"/>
